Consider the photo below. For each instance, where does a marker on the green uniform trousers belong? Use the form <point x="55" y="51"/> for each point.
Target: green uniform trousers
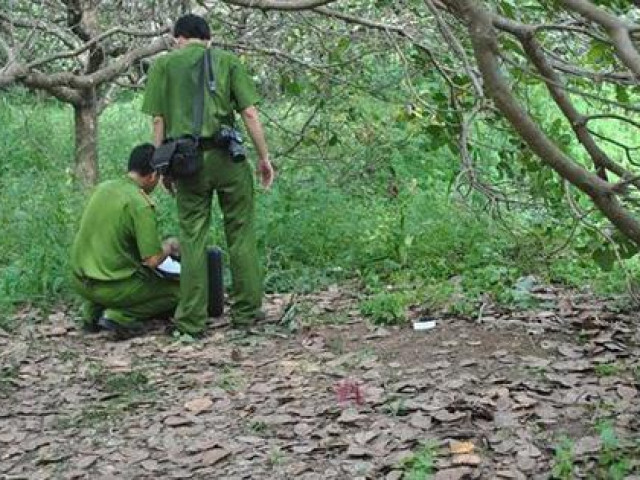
<point x="233" y="183"/>
<point x="126" y="302"/>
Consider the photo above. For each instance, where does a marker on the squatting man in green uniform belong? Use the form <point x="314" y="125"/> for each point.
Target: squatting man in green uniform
<point x="169" y="99"/>
<point x="117" y="248"/>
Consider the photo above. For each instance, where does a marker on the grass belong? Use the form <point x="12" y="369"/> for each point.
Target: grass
<point x="385" y="308"/>
<point x="421" y="465"/>
<point x="607" y="369"/>
<point x="416" y="238"/>
<point x="230" y="379"/>
<point x="258" y="427"/>
<point x="563" y="460"/>
<point x="276" y="457"/>
<point x="128" y="383"/>
<point x="125" y="392"/>
<point x="396" y="407"/>
<point x="8" y="376"/>
<point x="613" y="460"/>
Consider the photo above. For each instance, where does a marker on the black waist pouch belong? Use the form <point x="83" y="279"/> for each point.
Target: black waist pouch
<point x="178" y="158"/>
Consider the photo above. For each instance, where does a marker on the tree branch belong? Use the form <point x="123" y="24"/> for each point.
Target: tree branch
<point x="94" y="41"/>
<point x="279" y="4"/>
<point x="68" y="79"/>
<point x="553" y="81"/>
<point x="456" y="47"/>
<point x="618" y="78"/>
<point x="386" y="27"/>
<point x="586" y="120"/>
<point x="485" y="46"/>
<point x="46" y="27"/>
<point x="617" y="29"/>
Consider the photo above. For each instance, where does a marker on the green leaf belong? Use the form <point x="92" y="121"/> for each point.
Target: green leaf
<point x="597" y="53"/>
<point x="621" y="94"/>
<point x="605" y="258"/>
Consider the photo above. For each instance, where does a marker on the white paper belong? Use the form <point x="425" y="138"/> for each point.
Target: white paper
<point x="424" y="325"/>
<point x="170" y="266"/>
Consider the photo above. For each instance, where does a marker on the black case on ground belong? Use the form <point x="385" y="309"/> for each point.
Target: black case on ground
<point x="216" y="284"/>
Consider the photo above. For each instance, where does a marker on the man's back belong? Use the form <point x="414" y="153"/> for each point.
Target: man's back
<point x="117" y="230"/>
<point x="172" y="88"/>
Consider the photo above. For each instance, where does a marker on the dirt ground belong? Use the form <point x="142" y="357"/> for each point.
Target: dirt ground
<point x="325" y="395"/>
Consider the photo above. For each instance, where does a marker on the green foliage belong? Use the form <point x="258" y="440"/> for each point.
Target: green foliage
<point x="421" y="465"/>
<point x="607" y="369"/>
<point x="367" y="194"/>
<point x="385" y="308"/>
<point x="230" y="380"/>
<point x="563" y="460"/>
<point x="612" y="461"/>
<point x="128" y="382"/>
<point x="8" y="375"/>
<point x="396" y="407"/>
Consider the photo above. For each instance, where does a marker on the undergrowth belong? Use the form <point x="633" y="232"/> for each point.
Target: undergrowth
<point x="382" y="213"/>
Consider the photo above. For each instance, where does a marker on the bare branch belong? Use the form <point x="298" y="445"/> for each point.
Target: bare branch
<point x="485" y="45"/>
<point x="553" y="81"/>
<point x="46" y="27"/>
<point x="618" y="30"/>
<point x="279" y="4"/>
<point x="8" y="51"/>
<point x="627" y="149"/>
<point x="455" y="46"/>
<point x="468" y="170"/>
<point x="604" y="100"/>
<point x="586" y="120"/>
<point x="61" y="79"/>
<point x="573" y="29"/>
<point x="386" y="27"/>
<point x="63" y="94"/>
<point x="96" y="40"/>
<point x="618" y="78"/>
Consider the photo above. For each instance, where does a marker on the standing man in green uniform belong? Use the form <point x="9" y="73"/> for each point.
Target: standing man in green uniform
<point x="116" y="249"/>
<point x="169" y="95"/>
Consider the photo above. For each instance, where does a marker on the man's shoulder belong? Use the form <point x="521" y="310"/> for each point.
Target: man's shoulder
<point x="106" y="187"/>
<point x="225" y="56"/>
<point x="125" y="190"/>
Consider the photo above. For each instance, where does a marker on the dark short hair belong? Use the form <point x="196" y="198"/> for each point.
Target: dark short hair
<point x="140" y="159"/>
<point x="192" y="26"/>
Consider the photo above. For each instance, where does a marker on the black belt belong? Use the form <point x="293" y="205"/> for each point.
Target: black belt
<point x="210" y="143"/>
<point x="204" y="143"/>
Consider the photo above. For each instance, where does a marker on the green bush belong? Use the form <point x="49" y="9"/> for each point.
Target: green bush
<point x="380" y="210"/>
<point x="385" y="308"/>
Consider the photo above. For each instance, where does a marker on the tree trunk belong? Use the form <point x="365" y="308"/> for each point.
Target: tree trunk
<point x="86" y="141"/>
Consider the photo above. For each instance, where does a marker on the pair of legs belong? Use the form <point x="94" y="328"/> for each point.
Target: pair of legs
<point x="233" y="183"/>
<point x="127" y="302"/>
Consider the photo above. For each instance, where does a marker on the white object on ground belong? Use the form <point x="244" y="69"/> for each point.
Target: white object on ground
<point x="169" y="266"/>
<point x="424" y="325"/>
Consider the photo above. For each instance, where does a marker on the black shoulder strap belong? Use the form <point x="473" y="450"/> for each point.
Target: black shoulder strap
<point x="208" y="68"/>
<point x="198" y="98"/>
<point x="205" y="70"/>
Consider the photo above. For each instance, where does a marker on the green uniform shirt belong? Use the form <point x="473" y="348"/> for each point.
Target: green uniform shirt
<point x="117" y="231"/>
<point x="171" y="87"/>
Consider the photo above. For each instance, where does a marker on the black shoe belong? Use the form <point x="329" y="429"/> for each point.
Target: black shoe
<point x="91" y="328"/>
<point x="120" y="332"/>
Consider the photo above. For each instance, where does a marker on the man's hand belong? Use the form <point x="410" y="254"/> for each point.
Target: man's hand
<point x="265" y="171"/>
<point x="169" y="184"/>
<point x="171" y="246"/>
